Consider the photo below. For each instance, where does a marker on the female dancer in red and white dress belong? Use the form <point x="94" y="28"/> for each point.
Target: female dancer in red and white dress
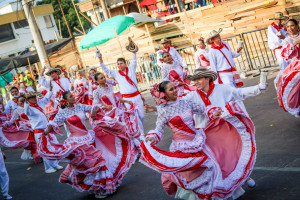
<point x="288" y="86"/>
<point x="17" y="133"/>
<point x="202" y="56"/>
<point x="172" y="71"/>
<point x="81" y="90"/>
<point x="95" y="164"/>
<point x="202" y="164"/>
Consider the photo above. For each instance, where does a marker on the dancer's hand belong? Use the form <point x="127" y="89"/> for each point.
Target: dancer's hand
<point x="91" y="97"/>
<point x="93" y="116"/>
<point x="296" y="42"/>
<point x="109" y="107"/>
<point x="218" y="113"/>
<point x="151" y="139"/>
<point x="281" y="37"/>
<point x="239" y="49"/>
<point x="148" y="108"/>
<point x="51" y="87"/>
<point x="181" y="84"/>
<point x="45" y="133"/>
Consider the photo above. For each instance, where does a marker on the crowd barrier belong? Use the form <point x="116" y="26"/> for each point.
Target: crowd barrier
<point x="255" y="55"/>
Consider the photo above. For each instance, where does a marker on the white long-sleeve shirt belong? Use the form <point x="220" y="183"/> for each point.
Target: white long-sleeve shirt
<point x="273" y="40"/>
<point x="125" y="87"/>
<point x="220" y="97"/>
<point x="38" y="119"/>
<point x="219" y="63"/>
<point x="10" y="107"/>
<point x="175" y="55"/>
<point x="26" y="89"/>
<point x="64" y="82"/>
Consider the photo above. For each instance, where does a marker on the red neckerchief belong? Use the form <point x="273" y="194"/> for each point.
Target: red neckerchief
<point x="204" y="96"/>
<point x="69" y="80"/>
<point x="15" y="100"/>
<point x="276" y="26"/>
<point x="127" y="77"/>
<point x="25" y="88"/>
<point x="57" y="81"/>
<point x="214" y="46"/>
<point x="39" y="108"/>
<point x="166" y="50"/>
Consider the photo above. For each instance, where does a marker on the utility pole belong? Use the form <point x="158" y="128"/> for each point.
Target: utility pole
<point x="104" y="8"/>
<point x="35" y="32"/>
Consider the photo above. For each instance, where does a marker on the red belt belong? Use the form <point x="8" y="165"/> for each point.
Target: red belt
<point x="224" y="71"/>
<point x="131" y="95"/>
<point x="38" y="131"/>
<point x="276" y="49"/>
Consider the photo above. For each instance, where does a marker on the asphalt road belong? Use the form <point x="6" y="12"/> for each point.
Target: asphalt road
<point x="277" y="169"/>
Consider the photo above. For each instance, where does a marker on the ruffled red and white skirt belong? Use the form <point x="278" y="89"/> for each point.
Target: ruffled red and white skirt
<point x="12" y="137"/>
<point x="86" y="170"/>
<point x="215" y="172"/>
<point x="288" y="89"/>
<point x="117" y="136"/>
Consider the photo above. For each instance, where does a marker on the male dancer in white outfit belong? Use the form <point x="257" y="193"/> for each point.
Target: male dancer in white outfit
<point x="4" y="179"/>
<point x="276" y="35"/>
<point x="167" y="47"/>
<point x="126" y="78"/>
<point x="35" y="111"/>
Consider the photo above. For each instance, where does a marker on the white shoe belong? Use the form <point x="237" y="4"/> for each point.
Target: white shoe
<point x="100" y="196"/>
<point x="238" y="193"/>
<point x="250" y="182"/>
<point x="51" y="170"/>
<point x="58" y="167"/>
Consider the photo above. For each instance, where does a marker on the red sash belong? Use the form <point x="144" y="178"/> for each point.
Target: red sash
<point x="224" y="71"/>
<point x="204" y="96"/>
<point x="38" y="131"/>
<point x="277" y="27"/>
<point x="131" y="83"/>
<point x="38" y="107"/>
<point x="202" y="57"/>
<point x="58" y="83"/>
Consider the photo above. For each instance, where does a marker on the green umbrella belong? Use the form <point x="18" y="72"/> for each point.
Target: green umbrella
<point x="105" y="31"/>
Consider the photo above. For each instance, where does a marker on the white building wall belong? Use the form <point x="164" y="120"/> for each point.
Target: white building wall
<point x="23" y="38"/>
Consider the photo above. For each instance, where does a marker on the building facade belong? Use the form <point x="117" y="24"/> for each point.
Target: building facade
<point x="15" y="35"/>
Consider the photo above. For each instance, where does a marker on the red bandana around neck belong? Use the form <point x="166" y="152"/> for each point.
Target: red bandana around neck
<point x="15" y="100"/>
<point x="276" y="26"/>
<point x="166" y="50"/>
<point x="214" y="46"/>
<point x="204" y="96"/>
<point x="127" y="77"/>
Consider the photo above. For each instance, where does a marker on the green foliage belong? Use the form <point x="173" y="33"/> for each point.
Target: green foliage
<point x="70" y="14"/>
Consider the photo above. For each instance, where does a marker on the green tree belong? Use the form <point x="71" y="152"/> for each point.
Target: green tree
<point x="69" y="13"/>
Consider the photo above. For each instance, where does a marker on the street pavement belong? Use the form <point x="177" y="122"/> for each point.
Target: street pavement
<point x="277" y="169"/>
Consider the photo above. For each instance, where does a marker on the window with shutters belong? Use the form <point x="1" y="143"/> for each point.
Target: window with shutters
<point x="21" y="24"/>
<point x="6" y="33"/>
<point x="48" y="21"/>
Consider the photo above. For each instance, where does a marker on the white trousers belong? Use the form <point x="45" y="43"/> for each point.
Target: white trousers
<point x="47" y="163"/>
<point x="4" y="179"/>
<point x="140" y="110"/>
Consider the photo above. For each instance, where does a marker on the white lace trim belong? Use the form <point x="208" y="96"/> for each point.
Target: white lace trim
<point x="194" y="145"/>
<point x="285" y="96"/>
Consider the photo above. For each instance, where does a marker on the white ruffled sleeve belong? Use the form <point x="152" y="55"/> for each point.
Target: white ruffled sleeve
<point x="161" y="122"/>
